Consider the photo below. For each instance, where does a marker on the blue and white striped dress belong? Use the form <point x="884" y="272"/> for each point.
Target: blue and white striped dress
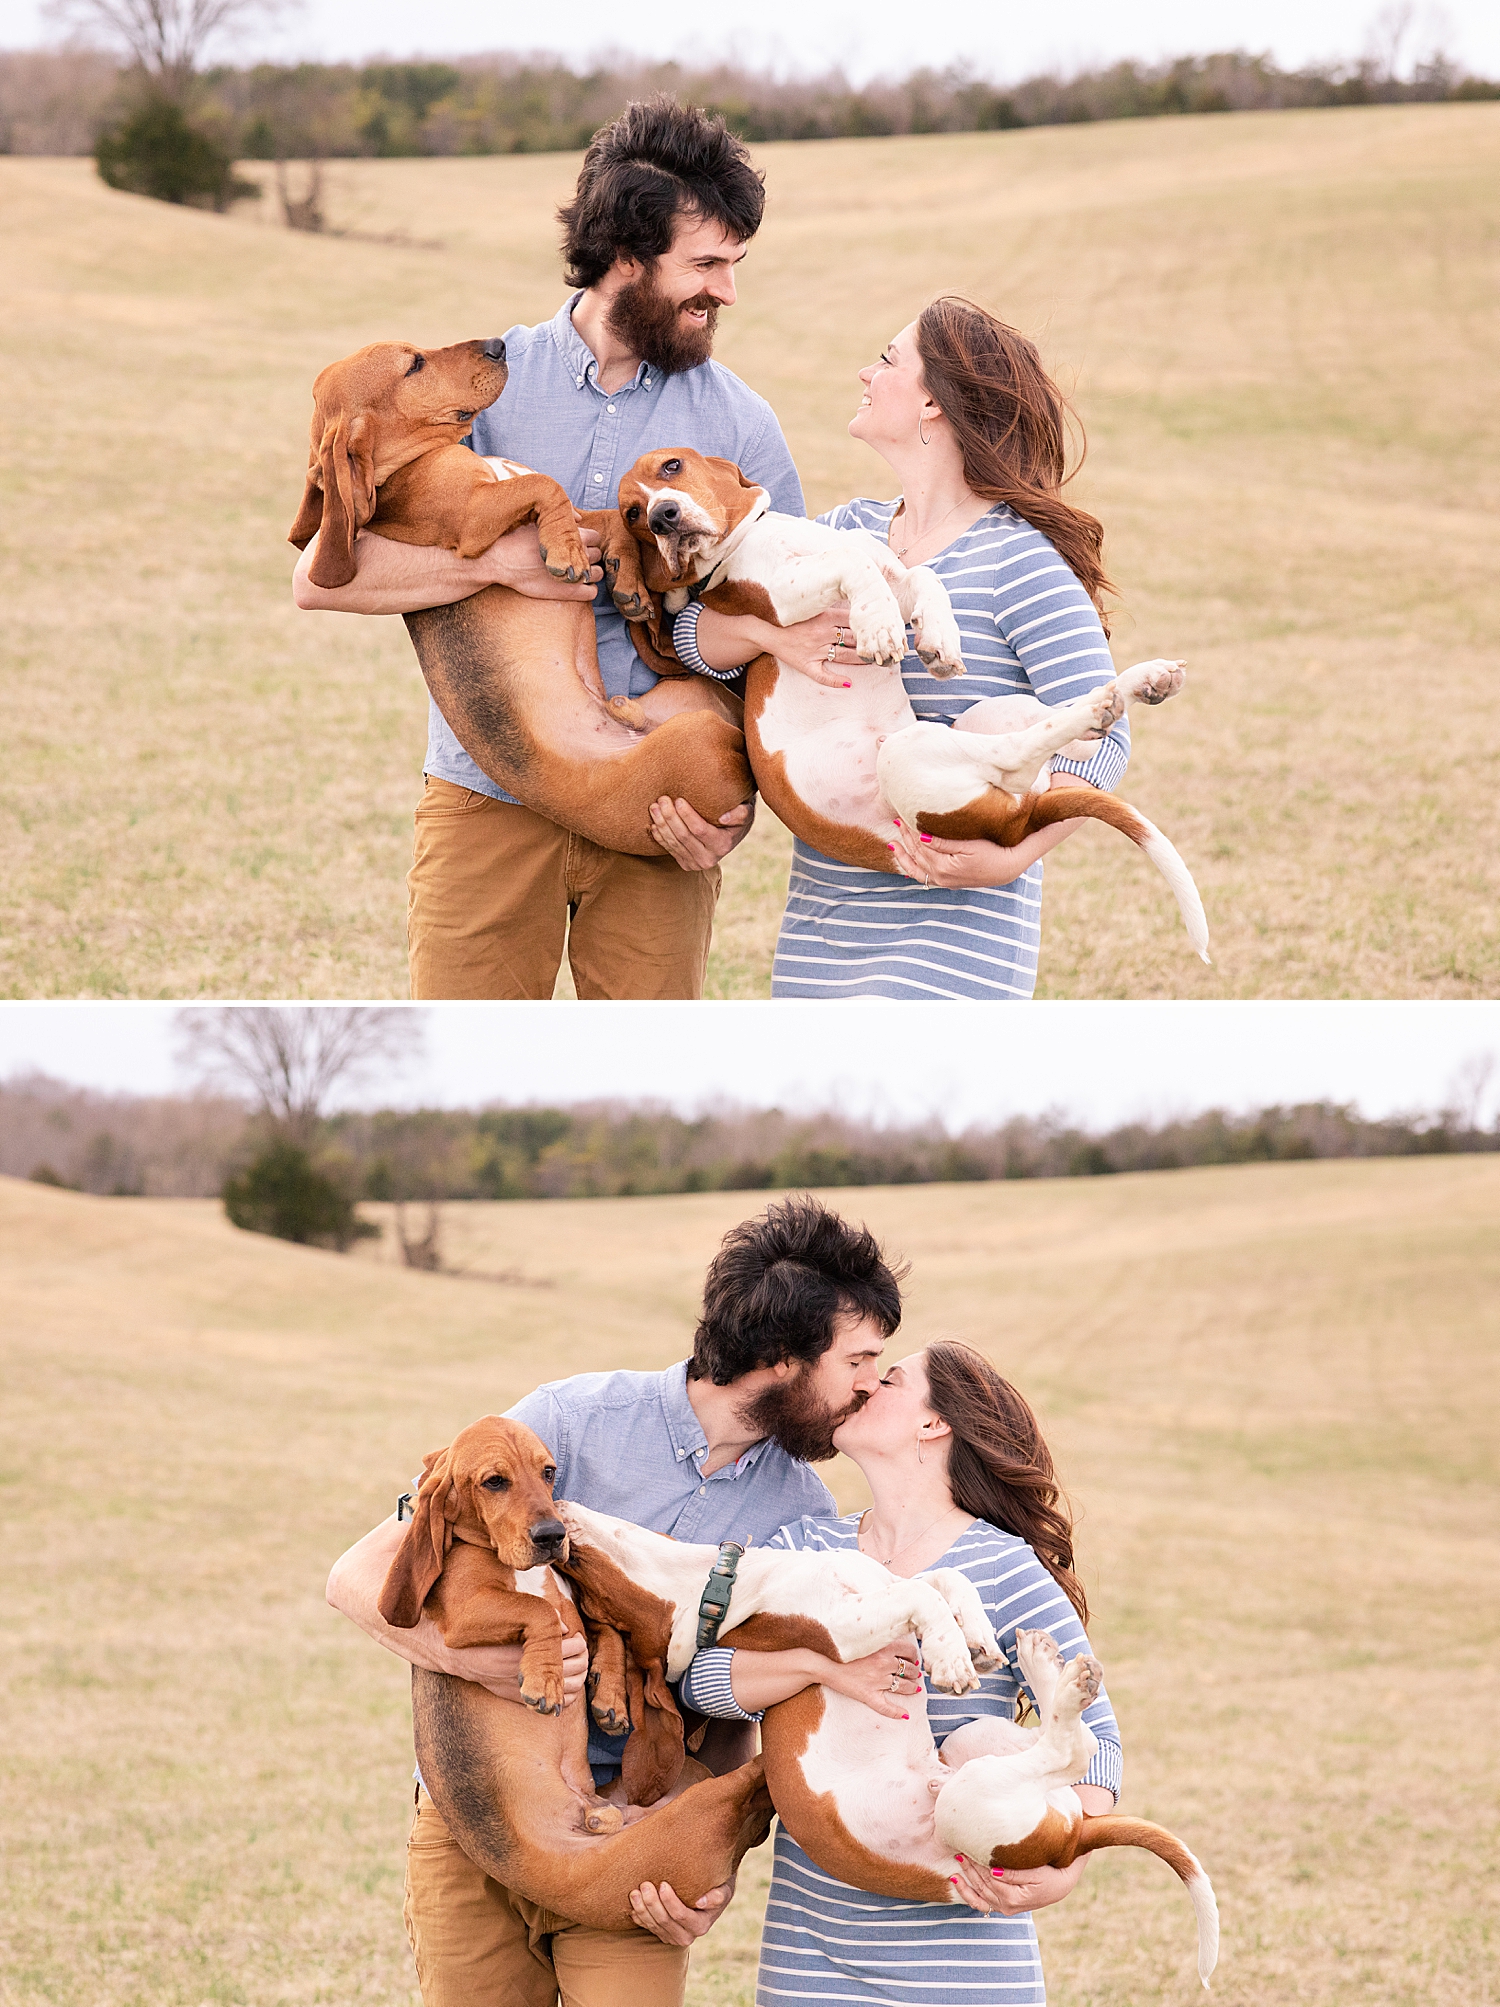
<point x="1029" y="629"/>
<point x="826" y="1941"/>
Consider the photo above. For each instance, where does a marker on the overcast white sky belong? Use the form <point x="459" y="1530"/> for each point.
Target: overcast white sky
<point x="888" y="37"/>
<point x="1103" y="1063"/>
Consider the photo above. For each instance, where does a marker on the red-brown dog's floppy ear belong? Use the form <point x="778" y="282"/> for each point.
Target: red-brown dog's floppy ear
<point x="346" y="474"/>
<point x="310" y="515"/>
<point x="419" y="1559"/>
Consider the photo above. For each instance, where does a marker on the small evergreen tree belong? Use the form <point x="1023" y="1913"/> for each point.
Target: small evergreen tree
<point x="282" y="1192"/>
<point x="154" y="151"/>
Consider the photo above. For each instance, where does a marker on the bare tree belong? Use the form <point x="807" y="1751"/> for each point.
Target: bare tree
<point x="1468" y="1088"/>
<point x="165" y="38"/>
<point x="291" y="1056"/>
<point x="1387" y="35"/>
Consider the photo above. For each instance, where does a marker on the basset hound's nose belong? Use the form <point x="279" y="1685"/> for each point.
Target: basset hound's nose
<point x="494" y="348"/>
<point x="664" y="516"/>
<point x="548" y="1533"/>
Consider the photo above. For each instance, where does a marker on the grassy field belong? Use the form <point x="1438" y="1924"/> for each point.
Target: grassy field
<point x="1281" y="329"/>
<point x="1272" y="1392"/>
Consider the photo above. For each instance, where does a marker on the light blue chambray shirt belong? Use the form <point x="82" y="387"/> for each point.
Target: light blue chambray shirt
<point x="554" y="417"/>
<point x="630" y="1444"/>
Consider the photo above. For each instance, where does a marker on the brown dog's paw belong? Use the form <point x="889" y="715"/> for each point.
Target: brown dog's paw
<point x="544" y="1694"/>
<point x="569" y="563"/>
<point x="608" y="1719"/>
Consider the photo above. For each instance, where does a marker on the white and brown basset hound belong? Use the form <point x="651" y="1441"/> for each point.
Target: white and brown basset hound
<point x="869" y="1798"/>
<point x="838" y="766"/>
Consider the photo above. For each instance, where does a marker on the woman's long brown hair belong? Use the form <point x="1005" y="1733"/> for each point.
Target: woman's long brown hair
<point x="999" y="1468"/>
<point x="1010" y="421"/>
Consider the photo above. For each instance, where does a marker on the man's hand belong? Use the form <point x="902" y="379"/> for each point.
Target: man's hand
<point x="654" y="1906"/>
<point x="1014" y="1891"/>
<point x="516" y="560"/>
<point x="698" y="845"/>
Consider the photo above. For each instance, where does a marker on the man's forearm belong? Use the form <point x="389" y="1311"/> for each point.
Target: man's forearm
<point x="392" y="578"/>
<point x="354" y="1586"/>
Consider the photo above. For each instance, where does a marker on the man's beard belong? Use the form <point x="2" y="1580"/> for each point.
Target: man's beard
<point x="793" y="1414"/>
<point x="652" y="326"/>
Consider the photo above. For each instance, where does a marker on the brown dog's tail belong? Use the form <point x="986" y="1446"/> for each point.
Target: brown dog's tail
<point x="1061" y="804"/>
<point x="1113" y="1831"/>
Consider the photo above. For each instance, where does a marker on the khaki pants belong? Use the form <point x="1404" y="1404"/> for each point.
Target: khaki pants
<point x="479" y="1945"/>
<point x="492" y="890"/>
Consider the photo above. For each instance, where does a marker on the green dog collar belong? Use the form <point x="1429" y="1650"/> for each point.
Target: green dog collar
<point x="714" y="1606"/>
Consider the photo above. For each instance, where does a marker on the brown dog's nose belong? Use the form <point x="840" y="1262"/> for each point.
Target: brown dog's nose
<point x="665" y="516"/>
<point x="494" y="348"/>
<point x="548" y="1533"/>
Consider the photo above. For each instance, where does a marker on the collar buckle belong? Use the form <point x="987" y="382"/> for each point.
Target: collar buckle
<point x="713" y="1606"/>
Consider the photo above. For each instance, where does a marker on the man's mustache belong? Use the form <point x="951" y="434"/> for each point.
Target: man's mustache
<point x="853" y="1408"/>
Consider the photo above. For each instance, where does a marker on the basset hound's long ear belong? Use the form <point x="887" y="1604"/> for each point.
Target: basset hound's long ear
<point x="731" y="467"/>
<point x="419" y="1559"/>
<point x="339" y="498"/>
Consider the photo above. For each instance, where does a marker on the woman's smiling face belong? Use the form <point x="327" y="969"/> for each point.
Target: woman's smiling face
<point x="895" y="394"/>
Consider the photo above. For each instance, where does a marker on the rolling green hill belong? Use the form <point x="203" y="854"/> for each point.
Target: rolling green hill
<point x="1271" y="1391"/>
<point x="1281" y="330"/>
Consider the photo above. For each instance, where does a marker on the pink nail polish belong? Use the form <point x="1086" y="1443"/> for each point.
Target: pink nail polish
<point x="954" y="1880"/>
<point x="906" y="1717"/>
<point x="848" y="686"/>
<point x="927" y="839"/>
<point x="959" y="1858"/>
<point x="898" y="822"/>
<point x="998" y="1873"/>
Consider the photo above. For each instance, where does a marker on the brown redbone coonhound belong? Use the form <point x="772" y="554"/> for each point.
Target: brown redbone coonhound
<point x="513" y="1784"/>
<point x="517" y="678"/>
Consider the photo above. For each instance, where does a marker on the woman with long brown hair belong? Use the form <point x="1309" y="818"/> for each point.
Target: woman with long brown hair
<point x="963" y="411"/>
<point x="959" y="1477"/>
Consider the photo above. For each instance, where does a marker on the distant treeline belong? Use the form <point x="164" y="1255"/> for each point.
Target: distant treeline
<point x="185" y="1147"/>
<point x="56" y="103"/>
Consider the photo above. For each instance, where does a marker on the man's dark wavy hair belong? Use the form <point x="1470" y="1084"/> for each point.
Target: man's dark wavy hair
<point x="779" y="1285"/>
<point x="657" y="161"/>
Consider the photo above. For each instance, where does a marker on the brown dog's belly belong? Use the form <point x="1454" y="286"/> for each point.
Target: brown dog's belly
<point x="493" y="1770"/>
<point x="517" y="679"/>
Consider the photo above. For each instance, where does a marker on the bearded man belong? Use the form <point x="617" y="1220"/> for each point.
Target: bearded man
<point x="665" y="205"/>
<point x="797" y="1305"/>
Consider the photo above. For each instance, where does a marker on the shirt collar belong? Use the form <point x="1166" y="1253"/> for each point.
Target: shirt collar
<point x="683" y="1425"/>
<point x="579" y="359"/>
<point x="686" y="1431"/>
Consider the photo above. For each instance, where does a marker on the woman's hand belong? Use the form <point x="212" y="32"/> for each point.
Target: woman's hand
<point x="887" y="1680"/>
<point x="821" y="649"/>
<point x="1013" y="1891"/>
<point x="937" y="860"/>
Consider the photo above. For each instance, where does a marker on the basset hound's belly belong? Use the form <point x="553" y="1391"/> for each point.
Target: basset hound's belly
<point x="829" y="740"/>
<point x="877" y="1776"/>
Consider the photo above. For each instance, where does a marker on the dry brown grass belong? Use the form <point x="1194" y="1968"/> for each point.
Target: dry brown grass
<point x="1271" y="1390"/>
<point x="1282" y="331"/>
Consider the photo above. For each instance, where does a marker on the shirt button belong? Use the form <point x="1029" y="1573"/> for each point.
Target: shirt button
<point x="701" y="1489"/>
<point x="598" y="477"/>
<point x="609" y="407"/>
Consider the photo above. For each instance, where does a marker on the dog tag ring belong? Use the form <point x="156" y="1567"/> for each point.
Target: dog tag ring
<point x="714" y="1606"/>
<point x="403" y="1508"/>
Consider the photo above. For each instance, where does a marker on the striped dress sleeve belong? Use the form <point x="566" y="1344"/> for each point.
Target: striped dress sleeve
<point x="1045" y="617"/>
